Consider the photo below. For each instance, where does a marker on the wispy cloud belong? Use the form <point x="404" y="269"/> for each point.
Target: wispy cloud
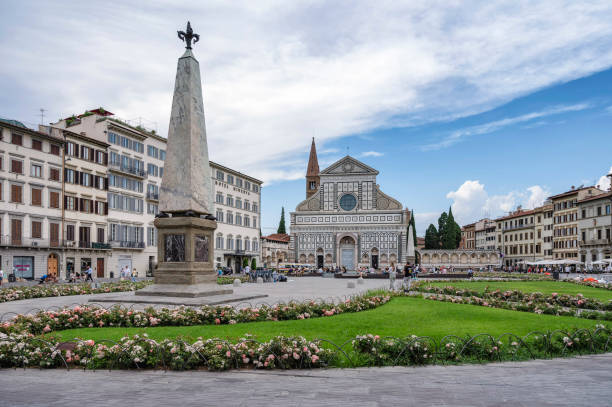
<point x="275" y="73"/>
<point x="459" y="135"/>
<point x="371" y="154"/>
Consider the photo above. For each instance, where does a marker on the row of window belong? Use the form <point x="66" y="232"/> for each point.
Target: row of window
<point x="559" y="206"/>
<point x="597" y="211"/>
<point x="236" y="203"/>
<point x="85" y="179"/>
<point x="125" y="142"/>
<point x="566" y="218"/>
<point x="155" y="152"/>
<point x="238" y="182"/>
<point x="86" y="153"/>
<point x="127" y="163"/>
<point x="125" y="203"/>
<point x="565" y="231"/>
<point x="523" y="249"/>
<point x="238" y="219"/>
<point x="129" y="184"/>
<point x="73" y="203"/>
<point x="36" y="169"/>
<point x="37" y="232"/>
<point x="125" y="233"/>
<point x="154" y="170"/>
<point x="229" y="243"/>
<point x="565" y="244"/>
<point x="36" y="144"/>
<point x="596" y="234"/>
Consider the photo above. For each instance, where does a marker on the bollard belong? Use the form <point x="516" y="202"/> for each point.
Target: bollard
<point x="350" y="284"/>
<point x="237" y="282"/>
<point x="259" y="280"/>
<point x="360" y="280"/>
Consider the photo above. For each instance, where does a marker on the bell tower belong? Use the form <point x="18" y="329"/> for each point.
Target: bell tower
<point x="312" y="172"/>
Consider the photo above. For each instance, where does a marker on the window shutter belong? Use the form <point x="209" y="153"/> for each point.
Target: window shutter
<point x="65" y="202"/>
<point x="76" y="150"/>
<point x="96" y="207"/>
<point x="105" y="158"/>
<point x="106" y="208"/>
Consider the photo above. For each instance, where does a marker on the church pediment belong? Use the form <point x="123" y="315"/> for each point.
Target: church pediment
<point x="349" y="165"/>
<point x="310" y="204"/>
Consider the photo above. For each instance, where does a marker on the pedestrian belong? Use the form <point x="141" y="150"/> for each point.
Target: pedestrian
<point x="392" y="275"/>
<point x="407" y="276"/>
<point x="1" y="276"/>
<point x="134" y="275"/>
<point x="89" y="273"/>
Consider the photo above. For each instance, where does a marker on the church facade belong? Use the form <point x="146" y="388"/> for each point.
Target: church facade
<point x="347" y="221"/>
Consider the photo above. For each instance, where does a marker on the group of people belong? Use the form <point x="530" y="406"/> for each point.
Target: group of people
<point x="126" y="273"/>
<point x="78" y="276"/>
<point x="408" y="272"/>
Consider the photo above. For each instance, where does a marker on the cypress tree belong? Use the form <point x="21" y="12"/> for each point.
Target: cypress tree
<point x="442" y="231"/>
<point x="432" y="240"/>
<point x="414" y="233"/>
<point x="253" y="264"/>
<point x="448" y="237"/>
<point x="281" y="225"/>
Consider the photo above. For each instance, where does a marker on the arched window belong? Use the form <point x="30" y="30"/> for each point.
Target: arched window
<point x="255" y="245"/>
<point x="247" y="244"/>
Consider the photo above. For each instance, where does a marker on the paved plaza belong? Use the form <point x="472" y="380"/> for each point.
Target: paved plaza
<point x="297" y="289"/>
<point x="581" y="381"/>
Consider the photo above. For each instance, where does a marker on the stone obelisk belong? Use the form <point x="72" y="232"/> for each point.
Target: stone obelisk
<point x="185" y="226"/>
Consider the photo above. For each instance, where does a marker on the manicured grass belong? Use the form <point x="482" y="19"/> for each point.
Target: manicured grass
<point x="400" y="317"/>
<point x="544" y="287"/>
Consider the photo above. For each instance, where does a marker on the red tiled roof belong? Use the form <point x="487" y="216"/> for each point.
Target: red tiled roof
<point x="570" y="192"/>
<point x="278" y="237"/>
<point x="594" y="197"/>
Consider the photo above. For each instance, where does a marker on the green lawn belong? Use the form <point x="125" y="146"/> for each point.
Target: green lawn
<point x="400" y="317"/>
<point x="545" y="287"/>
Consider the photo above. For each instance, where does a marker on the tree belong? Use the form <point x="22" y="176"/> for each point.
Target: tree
<point x="447" y="237"/>
<point x="281" y="225"/>
<point x="245" y="262"/>
<point x="253" y="264"/>
<point x="432" y="240"/>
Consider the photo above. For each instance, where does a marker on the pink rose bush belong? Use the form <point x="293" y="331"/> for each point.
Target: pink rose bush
<point x="515" y="300"/>
<point x="61" y="290"/>
<point x="89" y="315"/>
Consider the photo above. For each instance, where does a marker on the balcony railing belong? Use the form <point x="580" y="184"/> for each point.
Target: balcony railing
<point x="514" y="227"/>
<point x="127" y="244"/>
<point x="153" y="196"/>
<point x="128" y="169"/>
<point x="8" y="240"/>
<point x="595" y="242"/>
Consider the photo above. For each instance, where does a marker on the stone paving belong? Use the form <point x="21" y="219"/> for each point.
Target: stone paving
<point x="580" y="381"/>
<point x="298" y="289"/>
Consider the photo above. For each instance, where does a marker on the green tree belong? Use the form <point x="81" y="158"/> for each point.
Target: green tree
<point x="245" y="262"/>
<point x="447" y="237"/>
<point x="253" y="264"/>
<point x="281" y="225"/>
<point x="432" y="240"/>
<point x="442" y="220"/>
<point x="414" y="233"/>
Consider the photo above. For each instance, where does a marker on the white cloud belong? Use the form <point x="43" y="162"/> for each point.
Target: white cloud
<point x="604" y="181"/>
<point x="490" y="127"/>
<point x="471" y="201"/>
<point x="371" y="154"/>
<point x="276" y="72"/>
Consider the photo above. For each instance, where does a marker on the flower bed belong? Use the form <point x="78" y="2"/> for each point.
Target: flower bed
<point x="24" y="350"/>
<point x="60" y="290"/>
<point x="594" y="284"/>
<point x="513" y="276"/>
<point x="93" y="316"/>
<point x="563" y="300"/>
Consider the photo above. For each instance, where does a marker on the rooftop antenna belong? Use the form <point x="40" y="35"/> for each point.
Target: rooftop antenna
<point x="42" y="116"/>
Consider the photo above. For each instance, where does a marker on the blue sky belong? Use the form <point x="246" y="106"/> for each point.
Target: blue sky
<point x="479" y="105"/>
<point x="551" y="139"/>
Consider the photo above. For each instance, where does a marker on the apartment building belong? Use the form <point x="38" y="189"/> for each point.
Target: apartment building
<point x="275" y="249"/>
<point x="237" y="206"/>
<point x="565" y="221"/>
<point x="485" y="234"/>
<point x="85" y="203"/>
<point x="525" y="235"/>
<point x="30" y="201"/>
<point x="468" y="237"/>
<point x="135" y="168"/>
<point x="595" y="226"/>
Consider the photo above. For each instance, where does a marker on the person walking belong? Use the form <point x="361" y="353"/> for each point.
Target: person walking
<point x="407" y="276"/>
<point x="392" y="275"/>
<point x="1" y="276"/>
<point x="89" y="273"/>
<point x="134" y="275"/>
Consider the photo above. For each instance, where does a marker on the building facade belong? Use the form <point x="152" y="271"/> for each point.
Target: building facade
<point x="485" y="234"/>
<point x="275" y="249"/>
<point x="237" y="207"/>
<point x="461" y="259"/>
<point x="348" y="221"/>
<point x="525" y="235"/>
<point x="595" y="226"/>
<point x="31" y="200"/>
<point x="468" y="237"/>
<point x="565" y="221"/>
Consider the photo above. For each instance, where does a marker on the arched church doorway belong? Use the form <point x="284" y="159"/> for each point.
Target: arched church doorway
<point x="347" y="253"/>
